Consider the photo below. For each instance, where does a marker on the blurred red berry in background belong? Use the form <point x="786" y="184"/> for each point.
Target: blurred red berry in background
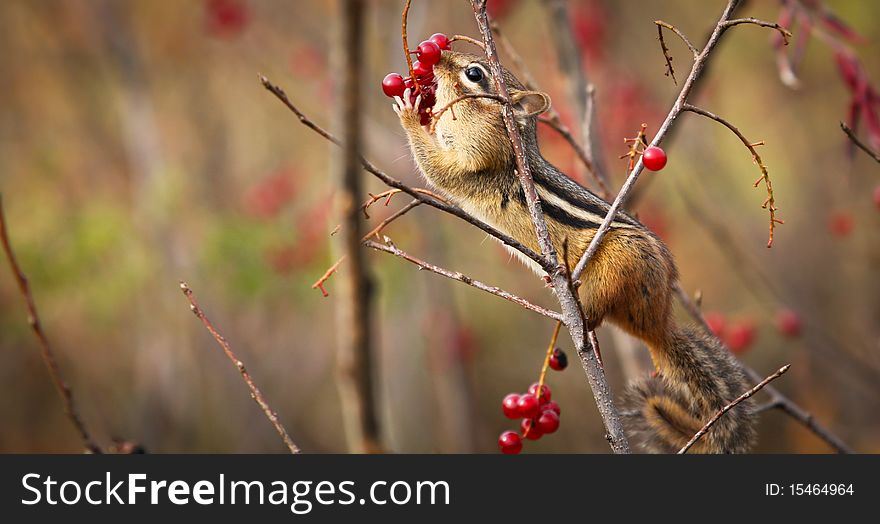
<point x="226" y="18"/>
<point x="717" y="323"/>
<point x="841" y="224"/>
<point x="788" y="322"/>
<point x="740" y="336"/>
<point x="265" y="199"/>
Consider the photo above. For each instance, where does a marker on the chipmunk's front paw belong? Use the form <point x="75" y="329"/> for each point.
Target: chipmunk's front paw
<point x="407" y="110"/>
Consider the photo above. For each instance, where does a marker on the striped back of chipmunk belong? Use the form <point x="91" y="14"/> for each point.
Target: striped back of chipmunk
<point x="570" y="204"/>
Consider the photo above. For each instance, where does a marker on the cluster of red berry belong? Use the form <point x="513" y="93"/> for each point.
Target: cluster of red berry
<point x="422" y="80"/>
<point x="538" y="412"/>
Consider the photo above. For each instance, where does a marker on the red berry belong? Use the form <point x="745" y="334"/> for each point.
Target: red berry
<point x="547" y="422"/>
<point x="545" y="392"/>
<point x="741" y="336"/>
<point x="509" y="406"/>
<point x="428" y="52"/>
<point x="552" y="406"/>
<point x="424" y="118"/>
<point x="510" y="443"/>
<point x="654" y="158"/>
<point x="877" y="197"/>
<point x="788" y="322"/>
<point x="422" y="69"/>
<point x="441" y="40"/>
<point x="558" y="360"/>
<point x="841" y="224"/>
<point x="716" y="323"/>
<point x="393" y="85"/>
<point x="527" y="405"/>
<point x="529" y="429"/>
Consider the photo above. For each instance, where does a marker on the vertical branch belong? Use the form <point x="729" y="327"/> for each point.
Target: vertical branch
<point x="572" y="311"/>
<point x="355" y="358"/>
<point x="49" y="360"/>
<point x="572" y="67"/>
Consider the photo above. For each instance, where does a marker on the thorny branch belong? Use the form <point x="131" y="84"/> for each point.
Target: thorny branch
<point x="255" y="391"/>
<point x="670" y="71"/>
<point x="389" y="247"/>
<point x="46" y="352"/>
<point x="572" y="311"/>
<point x="730" y="406"/>
<point x="770" y="203"/>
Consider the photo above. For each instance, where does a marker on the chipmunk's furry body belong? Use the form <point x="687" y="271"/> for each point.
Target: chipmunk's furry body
<point x="629" y="281"/>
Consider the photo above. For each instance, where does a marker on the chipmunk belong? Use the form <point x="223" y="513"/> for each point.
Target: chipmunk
<point x="629" y="281"/>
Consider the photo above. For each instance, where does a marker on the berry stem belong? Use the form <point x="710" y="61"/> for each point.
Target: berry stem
<point x="406" y="51"/>
<point x="547" y="359"/>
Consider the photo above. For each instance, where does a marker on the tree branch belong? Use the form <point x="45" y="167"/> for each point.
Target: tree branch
<point x="46" y="352"/>
<point x="855" y="139"/>
<point x="415" y="193"/>
<point x="730" y="406"/>
<point x="255" y="391"/>
<point x="770" y="203"/>
<point x="389" y="247"/>
<point x="696" y="70"/>
<point x="572" y="311"/>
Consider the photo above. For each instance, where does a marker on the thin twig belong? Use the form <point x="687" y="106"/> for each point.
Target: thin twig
<point x="771" y="25"/>
<point x="255" y="391"/>
<point x="394" y="216"/>
<point x="770" y="203"/>
<point x="409" y="66"/>
<point x="46" y="352"/>
<point x="435" y="115"/>
<point x="415" y="193"/>
<point x="667" y="25"/>
<point x="389" y="247"/>
<point x="777" y="399"/>
<point x="670" y="71"/>
<point x="572" y="311"/>
<point x="852" y="136"/>
<point x="677" y="107"/>
<point x="730" y="406"/>
<point x="319" y="284"/>
<point x="463" y="38"/>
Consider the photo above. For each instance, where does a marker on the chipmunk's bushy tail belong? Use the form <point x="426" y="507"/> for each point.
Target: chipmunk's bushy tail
<point x="696" y="377"/>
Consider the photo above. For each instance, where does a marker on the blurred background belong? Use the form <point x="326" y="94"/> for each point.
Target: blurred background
<point x="138" y="148"/>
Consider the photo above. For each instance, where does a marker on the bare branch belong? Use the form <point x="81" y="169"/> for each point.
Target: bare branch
<point x="255" y="391"/>
<point x="415" y="193"/>
<point x="389" y="247"/>
<point x="677" y="31"/>
<point x="855" y="139"/>
<point x="730" y="406"/>
<point x="770" y="203"/>
<point x="696" y="71"/>
<point x="572" y="311"/>
<point x="463" y="38"/>
<point x="46" y="352"/>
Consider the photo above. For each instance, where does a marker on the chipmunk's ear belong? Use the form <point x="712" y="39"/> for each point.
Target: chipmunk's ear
<point x="529" y="103"/>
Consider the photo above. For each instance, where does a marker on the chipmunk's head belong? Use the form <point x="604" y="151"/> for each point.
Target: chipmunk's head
<point x="459" y="74"/>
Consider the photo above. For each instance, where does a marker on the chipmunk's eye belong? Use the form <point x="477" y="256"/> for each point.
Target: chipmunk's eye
<point x="473" y="73"/>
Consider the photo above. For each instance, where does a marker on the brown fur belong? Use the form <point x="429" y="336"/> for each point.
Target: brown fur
<point x="629" y="281"/>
